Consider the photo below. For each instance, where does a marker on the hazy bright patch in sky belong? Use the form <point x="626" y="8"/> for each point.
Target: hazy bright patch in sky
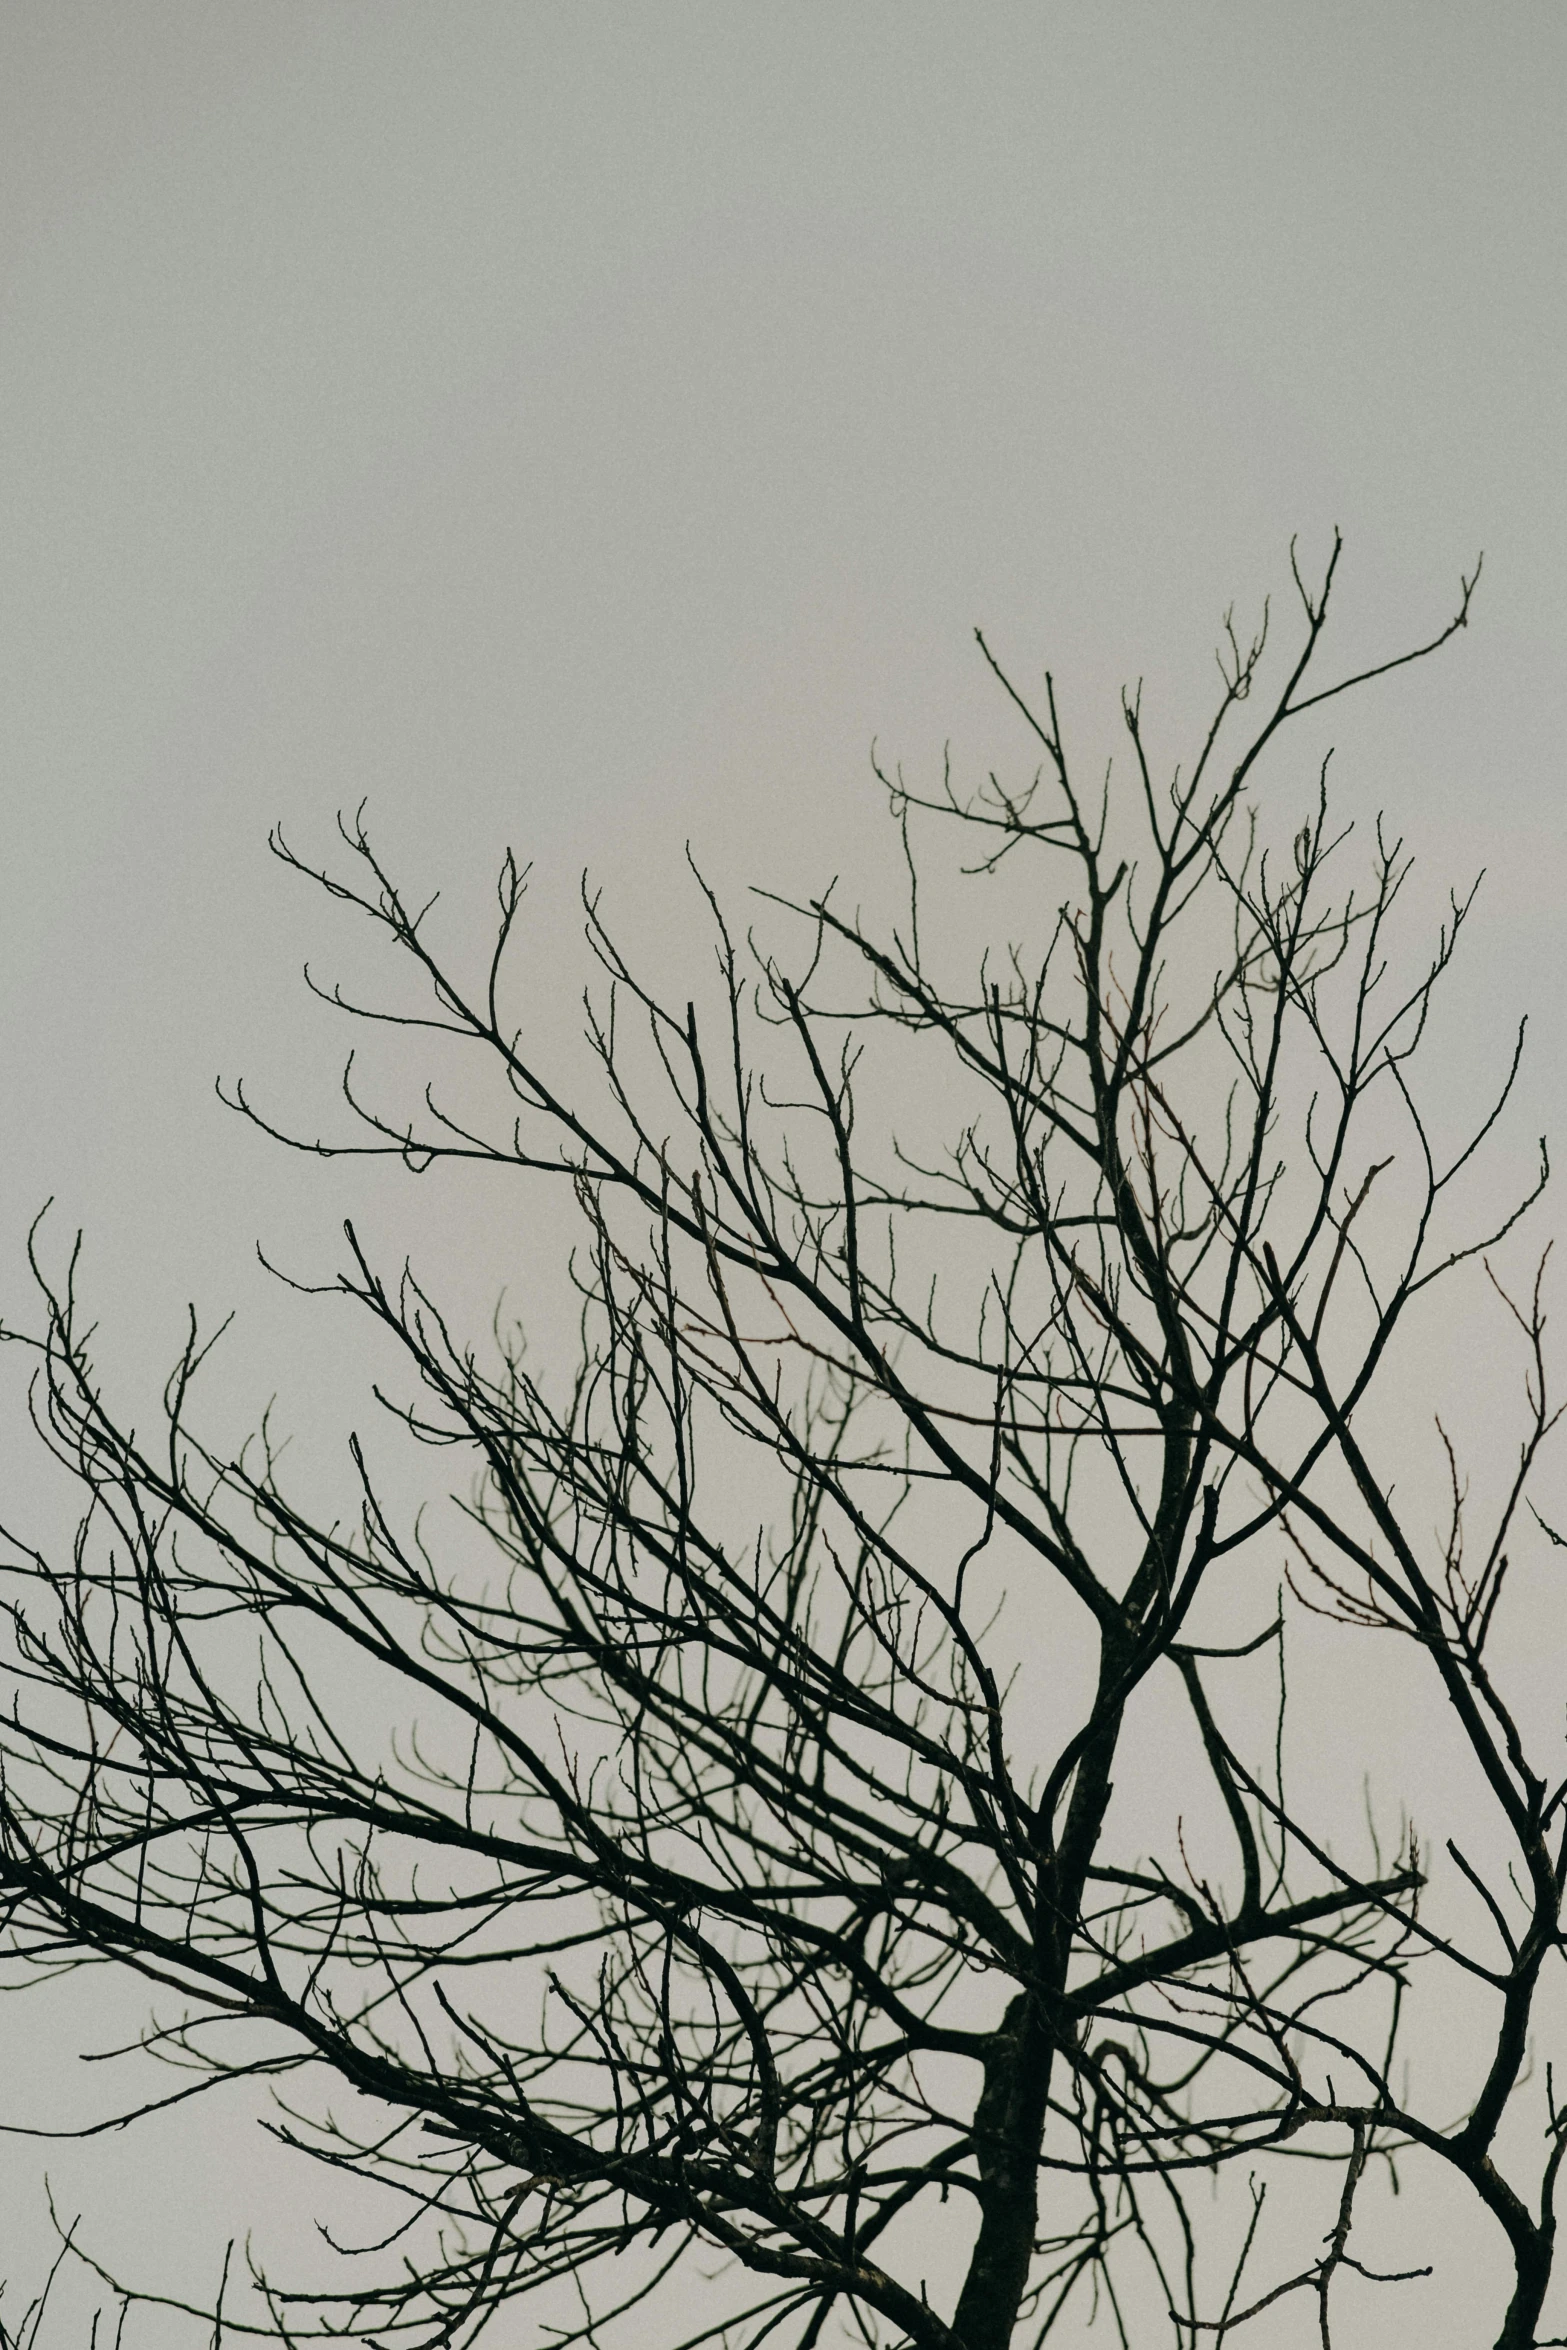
<point x="590" y="427"/>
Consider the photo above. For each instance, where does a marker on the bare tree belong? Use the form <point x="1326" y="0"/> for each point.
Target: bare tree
<point x="697" y="1854"/>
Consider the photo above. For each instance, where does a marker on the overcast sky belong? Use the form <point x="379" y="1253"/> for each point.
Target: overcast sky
<point x="590" y="426"/>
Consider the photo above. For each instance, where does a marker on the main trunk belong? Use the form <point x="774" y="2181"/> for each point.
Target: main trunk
<point x="1009" y="2124"/>
<point x="1532" y="2275"/>
<point x="1009" y="2120"/>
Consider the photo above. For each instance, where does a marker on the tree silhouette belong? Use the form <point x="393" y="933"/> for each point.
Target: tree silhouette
<point x="696" y="1853"/>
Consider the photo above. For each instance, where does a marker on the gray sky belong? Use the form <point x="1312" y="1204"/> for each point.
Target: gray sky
<point x="589" y="426"/>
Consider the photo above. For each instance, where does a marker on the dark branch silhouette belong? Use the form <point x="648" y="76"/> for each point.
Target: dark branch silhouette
<point x="672" y="1850"/>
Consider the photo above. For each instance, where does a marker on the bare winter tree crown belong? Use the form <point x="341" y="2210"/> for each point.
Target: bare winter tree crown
<point x="698" y="1865"/>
